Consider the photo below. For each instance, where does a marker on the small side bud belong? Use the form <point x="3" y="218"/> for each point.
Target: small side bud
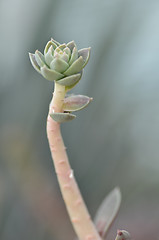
<point x="122" y="235"/>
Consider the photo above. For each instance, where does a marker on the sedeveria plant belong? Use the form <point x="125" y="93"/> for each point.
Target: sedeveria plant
<point x="63" y="64"/>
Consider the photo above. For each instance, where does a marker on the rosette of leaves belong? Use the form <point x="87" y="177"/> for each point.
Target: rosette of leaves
<point x="62" y="63"/>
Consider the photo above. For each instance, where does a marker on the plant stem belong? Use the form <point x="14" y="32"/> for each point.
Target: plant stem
<point x="75" y="205"/>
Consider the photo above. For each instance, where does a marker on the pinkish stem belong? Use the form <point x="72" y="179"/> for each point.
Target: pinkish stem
<point x="75" y="205"/>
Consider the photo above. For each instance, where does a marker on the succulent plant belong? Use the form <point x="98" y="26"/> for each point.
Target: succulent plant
<point x="62" y="63"/>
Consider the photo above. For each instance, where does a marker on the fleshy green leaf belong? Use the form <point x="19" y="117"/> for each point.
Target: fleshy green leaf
<point x="75" y="67"/>
<point x="74" y="56"/>
<point x="70" y="80"/>
<point x="58" y="65"/>
<point x="123" y="235"/>
<point x="50" y="43"/>
<point x="85" y="53"/>
<point x="67" y="51"/>
<point x="49" y="55"/>
<point x="39" y="58"/>
<point x="62" y="117"/>
<point x="107" y="212"/>
<point x="71" y="45"/>
<point x="58" y="52"/>
<point x="50" y="75"/>
<point x="68" y="88"/>
<point x="76" y="103"/>
<point x="34" y="62"/>
<point x="64" y="56"/>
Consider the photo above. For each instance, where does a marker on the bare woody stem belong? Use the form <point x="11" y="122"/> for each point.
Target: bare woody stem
<point x="75" y="205"/>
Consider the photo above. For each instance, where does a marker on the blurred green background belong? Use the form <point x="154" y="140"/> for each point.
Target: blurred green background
<point x="115" y="141"/>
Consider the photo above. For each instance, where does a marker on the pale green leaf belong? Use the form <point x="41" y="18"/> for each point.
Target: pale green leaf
<point x="39" y="58"/>
<point x="50" y="43"/>
<point x="76" y="102"/>
<point x="58" y="65"/>
<point x="34" y="62"/>
<point x="85" y="53"/>
<point x="68" y="88"/>
<point x="50" y="75"/>
<point x="62" y="117"/>
<point x="67" y="51"/>
<point x="74" y="56"/>
<point x="70" y="80"/>
<point x="75" y="67"/>
<point x="49" y="55"/>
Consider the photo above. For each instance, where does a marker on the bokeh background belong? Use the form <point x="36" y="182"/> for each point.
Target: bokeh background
<point x="115" y="141"/>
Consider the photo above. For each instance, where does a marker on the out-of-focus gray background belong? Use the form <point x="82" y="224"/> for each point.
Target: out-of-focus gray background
<point x="115" y="141"/>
